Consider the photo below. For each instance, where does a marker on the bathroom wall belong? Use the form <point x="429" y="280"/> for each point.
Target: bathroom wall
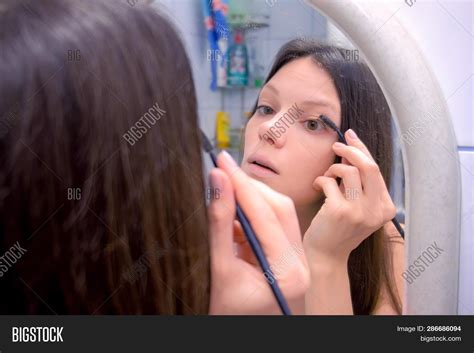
<point x="288" y="19"/>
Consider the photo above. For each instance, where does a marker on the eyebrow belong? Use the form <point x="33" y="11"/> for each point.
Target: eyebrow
<point x="322" y="103"/>
<point x="316" y="102"/>
<point x="271" y="88"/>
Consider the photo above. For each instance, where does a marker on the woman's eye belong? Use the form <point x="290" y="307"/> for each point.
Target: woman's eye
<point x="264" y="110"/>
<point x="313" y="125"/>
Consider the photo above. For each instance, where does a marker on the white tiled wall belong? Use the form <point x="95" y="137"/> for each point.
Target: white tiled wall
<point x="466" y="276"/>
<point x="288" y="19"/>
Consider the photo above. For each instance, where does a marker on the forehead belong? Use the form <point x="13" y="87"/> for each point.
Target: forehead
<point x="304" y="80"/>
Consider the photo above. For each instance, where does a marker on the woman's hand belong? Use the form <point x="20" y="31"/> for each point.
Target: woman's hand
<point x="238" y="285"/>
<point x="352" y="211"/>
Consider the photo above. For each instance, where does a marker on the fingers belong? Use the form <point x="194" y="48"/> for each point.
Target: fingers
<point x="370" y="176"/>
<point x="239" y="235"/>
<point x="259" y="213"/>
<point x="221" y="212"/>
<point x="353" y="140"/>
<point x="353" y="155"/>
<point x="329" y="187"/>
<point x="241" y="246"/>
<point x="372" y="180"/>
<point x="284" y="209"/>
<point x="349" y="174"/>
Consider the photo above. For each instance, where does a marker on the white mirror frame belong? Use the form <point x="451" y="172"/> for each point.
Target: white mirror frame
<point x="431" y="161"/>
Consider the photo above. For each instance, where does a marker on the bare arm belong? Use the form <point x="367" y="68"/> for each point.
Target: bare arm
<point x="329" y="291"/>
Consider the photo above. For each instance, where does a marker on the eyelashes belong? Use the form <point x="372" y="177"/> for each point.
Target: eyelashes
<point x="311" y="124"/>
<point x="314" y="124"/>
<point x="264" y="110"/>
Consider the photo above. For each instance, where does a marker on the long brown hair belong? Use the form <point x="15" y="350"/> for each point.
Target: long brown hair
<point x="109" y="223"/>
<point x="365" y="110"/>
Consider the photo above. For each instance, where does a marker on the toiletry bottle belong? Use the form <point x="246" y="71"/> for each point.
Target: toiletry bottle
<point x="237" y="63"/>
<point x="222" y="130"/>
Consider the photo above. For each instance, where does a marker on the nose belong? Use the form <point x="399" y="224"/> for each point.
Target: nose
<point x="273" y="131"/>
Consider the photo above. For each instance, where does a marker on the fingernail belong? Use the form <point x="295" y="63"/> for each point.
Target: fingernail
<point x="338" y="144"/>
<point x="229" y="159"/>
<point x="216" y="181"/>
<point x="352" y="134"/>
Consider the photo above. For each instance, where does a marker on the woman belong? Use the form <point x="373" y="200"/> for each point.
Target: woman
<point x="96" y="184"/>
<point x="355" y="256"/>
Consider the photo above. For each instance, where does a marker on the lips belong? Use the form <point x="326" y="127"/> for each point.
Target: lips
<point x="262" y="162"/>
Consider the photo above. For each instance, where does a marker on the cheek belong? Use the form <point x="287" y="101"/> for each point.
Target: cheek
<point x="251" y="136"/>
<point x="312" y="156"/>
<point x="306" y="169"/>
<point x="318" y="162"/>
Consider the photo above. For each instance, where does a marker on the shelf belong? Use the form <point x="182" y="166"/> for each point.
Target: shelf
<point x="250" y="25"/>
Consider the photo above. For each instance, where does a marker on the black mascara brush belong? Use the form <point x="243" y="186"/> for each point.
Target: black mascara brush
<point x="252" y="238"/>
<point x="328" y="122"/>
